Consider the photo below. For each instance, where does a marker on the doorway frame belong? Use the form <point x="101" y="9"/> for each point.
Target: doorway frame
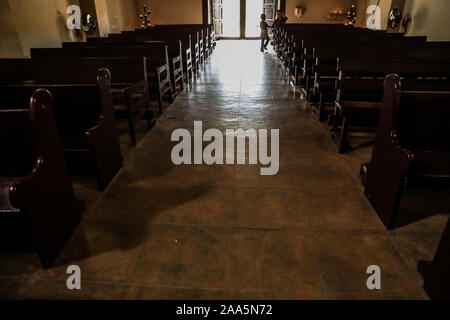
<point x="208" y="17"/>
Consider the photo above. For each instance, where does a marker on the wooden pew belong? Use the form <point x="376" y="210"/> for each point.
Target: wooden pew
<point x="38" y="208"/>
<point x="296" y="33"/>
<point x="435" y="273"/>
<point x="174" y="54"/>
<point x="128" y="77"/>
<point x="359" y="90"/>
<point x="412" y="146"/>
<point x="184" y="37"/>
<point x="207" y="34"/>
<point x="326" y="73"/>
<point x="84" y="116"/>
<point x="189" y="37"/>
<point x="293" y="54"/>
<point x="327" y="53"/>
<point x="203" y="38"/>
<point x="283" y="35"/>
<point x="330" y="34"/>
<point x="350" y="42"/>
<point x="157" y="60"/>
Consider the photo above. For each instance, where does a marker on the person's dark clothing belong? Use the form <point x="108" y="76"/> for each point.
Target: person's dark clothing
<point x="279" y="22"/>
<point x="264" y="34"/>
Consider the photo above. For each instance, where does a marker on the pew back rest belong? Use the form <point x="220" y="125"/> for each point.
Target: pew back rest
<point x="19" y="156"/>
<point x="189" y="37"/>
<point x="71" y="70"/>
<point x="403" y="67"/>
<point x="425" y="53"/>
<point x="363" y="79"/>
<point x="423" y="120"/>
<point x="77" y="108"/>
<point x="185" y="39"/>
<point x="157" y="54"/>
<point x="174" y="46"/>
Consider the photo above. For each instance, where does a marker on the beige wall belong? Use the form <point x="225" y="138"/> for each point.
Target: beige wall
<point x="26" y="24"/>
<point x="173" y="11"/>
<point x="9" y="44"/>
<point x="115" y="16"/>
<point x="41" y="23"/>
<point x="429" y="18"/>
<point x="316" y="10"/>
<point x="122" y="15"/>
<point x="102" y="17"/>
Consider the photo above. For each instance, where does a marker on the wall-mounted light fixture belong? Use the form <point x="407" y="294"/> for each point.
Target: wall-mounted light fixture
<point x="300" y="11"/>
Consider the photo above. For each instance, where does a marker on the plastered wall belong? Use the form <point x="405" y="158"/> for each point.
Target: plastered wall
<point x="26" y="24"/>
<point x="173" y="11"/>
<point x="429" y="18"/>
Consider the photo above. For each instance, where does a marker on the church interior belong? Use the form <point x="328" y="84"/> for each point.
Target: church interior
<point x="224" y="150"/>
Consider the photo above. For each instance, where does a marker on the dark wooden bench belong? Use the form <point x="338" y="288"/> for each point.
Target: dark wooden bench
<point x="206" y="32"/>
<point x="326" y="73"/>
<point x="412" y="146"/>
<point x="360" y="90"/>
<point x="38" y="208"/>
<point x="283" y="35"/>
<point x="128" y="77"/>
<point x="294" y="34"/>
<point x="294" y="47"/>
<point x="86" y="125"/>
<point x="157" y="61"/>
<point x="174" y="54"/>
<point x="202" y="32"/>
<point x="322" y="56"/>
<point x="298" y="38"/>
<point x="352" y="42"/>
<point x="193" y="36"/>
<point x="184" y="37"/>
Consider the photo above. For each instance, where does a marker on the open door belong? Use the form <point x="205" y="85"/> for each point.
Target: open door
<point x="270" y="10"/>
<point x="253" y="13"/>
<point x="231" y="23"/>
<point x="218" y="17"/>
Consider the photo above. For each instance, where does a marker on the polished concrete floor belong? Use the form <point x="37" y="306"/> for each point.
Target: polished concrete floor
<point x="225" y="232"/>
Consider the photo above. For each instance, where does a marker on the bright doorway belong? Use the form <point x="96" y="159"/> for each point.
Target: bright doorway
<point x="241" y="18"/>
<point x="231" y="18"/>
<point x="253" y="11"/>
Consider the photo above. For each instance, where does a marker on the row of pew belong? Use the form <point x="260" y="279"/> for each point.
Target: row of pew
<point x="58" y="119"/>
<point x="361" y="81"/>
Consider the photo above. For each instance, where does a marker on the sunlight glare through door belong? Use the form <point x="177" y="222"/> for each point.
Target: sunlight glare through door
<point x="253" y="18"/>
<point x="231" y="18"/>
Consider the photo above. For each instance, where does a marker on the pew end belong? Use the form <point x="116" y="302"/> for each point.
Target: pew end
<point x="86" y="125"/>
<point x="412" y="147"/>
<point x="37" y="197"/>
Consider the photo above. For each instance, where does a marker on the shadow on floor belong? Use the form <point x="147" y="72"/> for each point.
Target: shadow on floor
<point x="116" y="229"/>
<point x="419" y="204"/>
